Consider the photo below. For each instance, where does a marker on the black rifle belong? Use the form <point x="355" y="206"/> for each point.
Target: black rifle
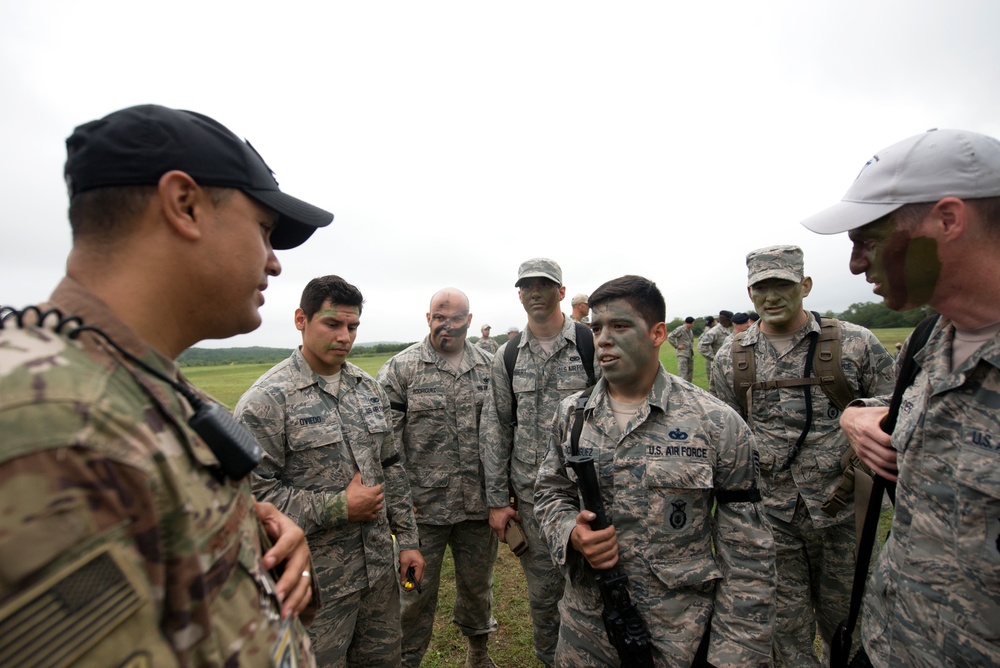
<point x="626" y="629"/>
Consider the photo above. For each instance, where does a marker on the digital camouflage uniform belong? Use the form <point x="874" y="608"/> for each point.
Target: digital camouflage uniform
<point x="511" y="456"/>
<point x="436" y="422"/>
<point x="682" y="339"/>
<point x="934" y="596"/>
<point x="118" y="545"/>
<point x="815" y="552"/>
<point x="686" y="568"/>
<point x="488" y="344"/>
<point x="314" y="443"/>
<point x="710" y="342"/>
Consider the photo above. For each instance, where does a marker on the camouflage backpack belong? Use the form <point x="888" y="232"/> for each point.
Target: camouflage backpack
<point x="584" y="346"/>
<point x="825" y="354"/>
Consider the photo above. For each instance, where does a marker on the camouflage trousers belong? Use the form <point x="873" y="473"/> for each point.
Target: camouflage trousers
<point x="474" y="550"/>
<point x="709" y="362"/>
<point x="815" y="575"/>
<point x="545" y="586"/>
<point x="361" y="628"/>
<point x="685" y="367"/>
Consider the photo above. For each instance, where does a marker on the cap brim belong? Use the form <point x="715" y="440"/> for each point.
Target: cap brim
<point x="846" y="216"/>
<point x="535" y="274"/>
<point x="298" y="219"/>
<point x="781" y="274"/>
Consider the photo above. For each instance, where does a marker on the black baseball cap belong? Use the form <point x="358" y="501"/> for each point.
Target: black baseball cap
<point x="138" y="145"/>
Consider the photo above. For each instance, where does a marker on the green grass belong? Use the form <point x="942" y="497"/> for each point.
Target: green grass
<point x="511" y="645"/>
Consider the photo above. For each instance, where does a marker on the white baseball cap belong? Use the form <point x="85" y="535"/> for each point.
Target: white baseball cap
<point x="923" y="168"/>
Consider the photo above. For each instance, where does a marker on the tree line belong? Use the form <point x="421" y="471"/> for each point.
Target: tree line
<point x="869" y="314"/>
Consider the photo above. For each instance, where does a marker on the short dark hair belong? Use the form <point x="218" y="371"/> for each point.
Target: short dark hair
<point x="105" y="214"/>
<point x="329" y="288"/>
<point x="640" y="293"/>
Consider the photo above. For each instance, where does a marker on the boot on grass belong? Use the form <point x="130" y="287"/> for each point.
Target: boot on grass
<point x="477" y="656"/>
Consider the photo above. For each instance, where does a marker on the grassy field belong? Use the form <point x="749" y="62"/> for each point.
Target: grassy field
<point x="511" y="645"/>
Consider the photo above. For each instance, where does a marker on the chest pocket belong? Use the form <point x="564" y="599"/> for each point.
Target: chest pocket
<point x="679" y="491"/>
<point x="304" y="434"/>
<point x="428" y="401"/>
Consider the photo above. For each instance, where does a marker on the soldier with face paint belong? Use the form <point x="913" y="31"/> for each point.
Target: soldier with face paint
<point x="801" y="445"/>
<point x="436" y="389"/>
<point x="331" y="464"/>
<point x="924" y="218"/>
<point x="665" y="453"/>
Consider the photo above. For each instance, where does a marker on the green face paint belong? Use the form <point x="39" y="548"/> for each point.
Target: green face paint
<point x="904" y="268"/>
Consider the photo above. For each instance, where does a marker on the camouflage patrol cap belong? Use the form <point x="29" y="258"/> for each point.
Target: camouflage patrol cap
<point x="138" y="145"/>
<point x="579" y="299"/>
<point x="784" y="262"/>
<point x="540" y="267"/>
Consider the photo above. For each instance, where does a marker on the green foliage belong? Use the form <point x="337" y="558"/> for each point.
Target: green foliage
<point x="876" y="315"/>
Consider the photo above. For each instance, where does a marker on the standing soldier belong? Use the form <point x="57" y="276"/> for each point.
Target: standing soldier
<point x="924" y="218"/>
<point x="551" y="359"/>
<point x="485" y="342"/>
<point x="128" y="532"/>
<point x="581" y="309"/>
<point x="665" y="453"/>
<point x="682" y="339"/>
<point x="436" y="390"/>
<point x="801" y="443"/>
<point x="711" y="340"/>
<point x="330" y="462"/>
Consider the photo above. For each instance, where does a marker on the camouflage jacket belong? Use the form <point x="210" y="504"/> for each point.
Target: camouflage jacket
<point x="113" y="525"/>
<point x="511" y="453"/>
<point x="711" y="341"/>
<point x="779" y="415"/>
<point x="682" y="336"/>
<point x="934" y="596"/>
<point x="435" y="416"/>
<point x="659" y="480"/>
<point x="314" y="442"/>
<point x="489" y="345"/>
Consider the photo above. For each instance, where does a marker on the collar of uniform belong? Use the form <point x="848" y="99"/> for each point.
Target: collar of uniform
<point x="74" y="299"/>
<point x="754" y="334"/>
<point x="309" y="377"/>
<point x="658" y="396"/>
<point x="430" y="355"/>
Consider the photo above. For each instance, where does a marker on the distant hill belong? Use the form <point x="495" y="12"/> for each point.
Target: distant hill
<point x="220" y="356"/>
<point x="262" y="355"/>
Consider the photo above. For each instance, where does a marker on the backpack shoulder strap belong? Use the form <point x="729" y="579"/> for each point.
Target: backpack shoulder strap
<point x="826" y="363"/>
<point x="509" y="360"/>
<point x="585" y="346"/>
<point x="574" y="437"/>
<point x="510" y="357"/>
<point x="744" y="374"/>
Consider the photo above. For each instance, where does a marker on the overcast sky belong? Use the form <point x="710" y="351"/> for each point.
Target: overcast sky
<point x="452" y="140"/>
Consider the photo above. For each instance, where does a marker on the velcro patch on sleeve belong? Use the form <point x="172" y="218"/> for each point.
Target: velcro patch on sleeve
<point x="61" y="617"/>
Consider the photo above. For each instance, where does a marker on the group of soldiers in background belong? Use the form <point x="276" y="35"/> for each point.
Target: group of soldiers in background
<point x="156" y="530"/>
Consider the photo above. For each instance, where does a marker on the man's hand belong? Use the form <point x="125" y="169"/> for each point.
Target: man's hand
<point x="599" y="548"/>
<point x="290" y="549"/>
<point x="498" y="520"/>
<point x="863" y="427"/>
<point x="363" y="503"/>
<point x="413" y="558"/>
